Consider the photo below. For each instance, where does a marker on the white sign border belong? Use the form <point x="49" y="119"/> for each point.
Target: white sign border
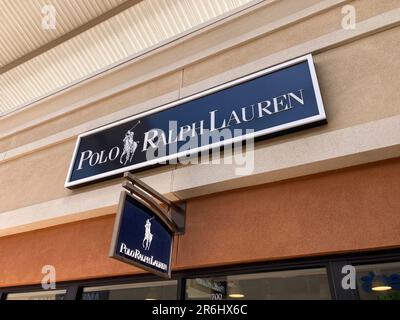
<point x="321" y="116"/>
<point x="116" y="232"/>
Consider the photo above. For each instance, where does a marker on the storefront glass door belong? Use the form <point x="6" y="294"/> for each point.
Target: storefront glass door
<point x="294" y="284"/>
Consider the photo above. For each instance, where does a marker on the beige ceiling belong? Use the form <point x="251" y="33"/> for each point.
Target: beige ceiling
<point x="35" y="63"/>
<point x="21" y="23"/>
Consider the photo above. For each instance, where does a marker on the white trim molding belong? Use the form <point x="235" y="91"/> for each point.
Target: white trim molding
<point x="373" y="25"/>
<point x="301" y="122"/>
<point x="324" y="43"/>
<point x="198" y="56"/>
<point x="198" y="29"/>
<point x="368" y="142"/>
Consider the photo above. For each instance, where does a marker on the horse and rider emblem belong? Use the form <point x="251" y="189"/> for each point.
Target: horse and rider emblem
<point x="148" y="236"/>
<point x="130" y="146"/>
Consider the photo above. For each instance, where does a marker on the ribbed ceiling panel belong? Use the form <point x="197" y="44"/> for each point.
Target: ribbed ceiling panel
<point x="21" y="23"/>
<point x="127" y="33"/>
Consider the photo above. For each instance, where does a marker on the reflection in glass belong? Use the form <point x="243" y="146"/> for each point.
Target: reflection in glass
<point x="294" y="285"/>
<point x="379" y="281"/>
<point x="39" y="295"/>
<point x="159" y="290"/>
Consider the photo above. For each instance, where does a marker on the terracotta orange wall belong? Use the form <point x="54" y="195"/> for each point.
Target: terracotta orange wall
<point x="351" y="209"/>
<point x="346" y="210"/>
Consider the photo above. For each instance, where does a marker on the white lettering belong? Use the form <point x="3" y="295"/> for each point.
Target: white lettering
<point x="279" y="102"/>
<point x="349" y="19"/>
<point x="96" y="157"/>
<point x="245" y="119"/>
<point x="349" y="280"/>
<point x="200" y="128"/>
<point x="136" y="254"/>
<point x="184" y="130"/>
<point x="49" y="279"/>
<point x="291" y="96"/>
<point x="110" y="154"/>
<point x="101" y="157"/>
<point x="212" y="122"/>
<point x="263" y="107"/>
<point x="149" y="141"/>
<point x="84" y="158"/>
<point x="233" y="117"/>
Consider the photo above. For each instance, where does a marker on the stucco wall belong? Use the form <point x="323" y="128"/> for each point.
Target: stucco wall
<point x="345" y="210"/>
<point x="358" y="76"/>
<point x="344" y="75"/>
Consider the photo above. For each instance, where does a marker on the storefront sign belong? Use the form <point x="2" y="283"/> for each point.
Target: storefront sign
<point x="278" y="99"/>
<point x="141" y="238"/>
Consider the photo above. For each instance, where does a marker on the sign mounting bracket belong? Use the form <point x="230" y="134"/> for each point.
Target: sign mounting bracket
<point x="172" y="213"/>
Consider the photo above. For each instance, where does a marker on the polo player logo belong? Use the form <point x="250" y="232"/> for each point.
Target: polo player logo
<point x="130" y="146"/>
<point x="148" y="236"/>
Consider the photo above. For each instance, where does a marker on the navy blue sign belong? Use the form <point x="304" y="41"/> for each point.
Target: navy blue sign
<point x="141" y="238"/>
<point x="277" y="99"/>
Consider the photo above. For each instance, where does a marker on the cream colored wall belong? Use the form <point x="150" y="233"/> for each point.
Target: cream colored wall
<point x="290" y="36"/>
<point x="169" y="83"/>
<point x="357" y="75"/>
<point x="270" y="24"/>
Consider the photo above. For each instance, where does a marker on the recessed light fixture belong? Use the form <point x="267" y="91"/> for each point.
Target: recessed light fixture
<point x="378" y="284"/>
<point x="381" y="288"/>
<point x="236" y="295"/>
<point x="235" y="290"/>
<point x="152" y="294"/>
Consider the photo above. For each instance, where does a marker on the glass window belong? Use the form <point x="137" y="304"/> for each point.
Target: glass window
<point x="379" y="281"/>
<point x="159" y="290"/>
<point x="39" y="295"/>
<point x="293" y="285"/>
